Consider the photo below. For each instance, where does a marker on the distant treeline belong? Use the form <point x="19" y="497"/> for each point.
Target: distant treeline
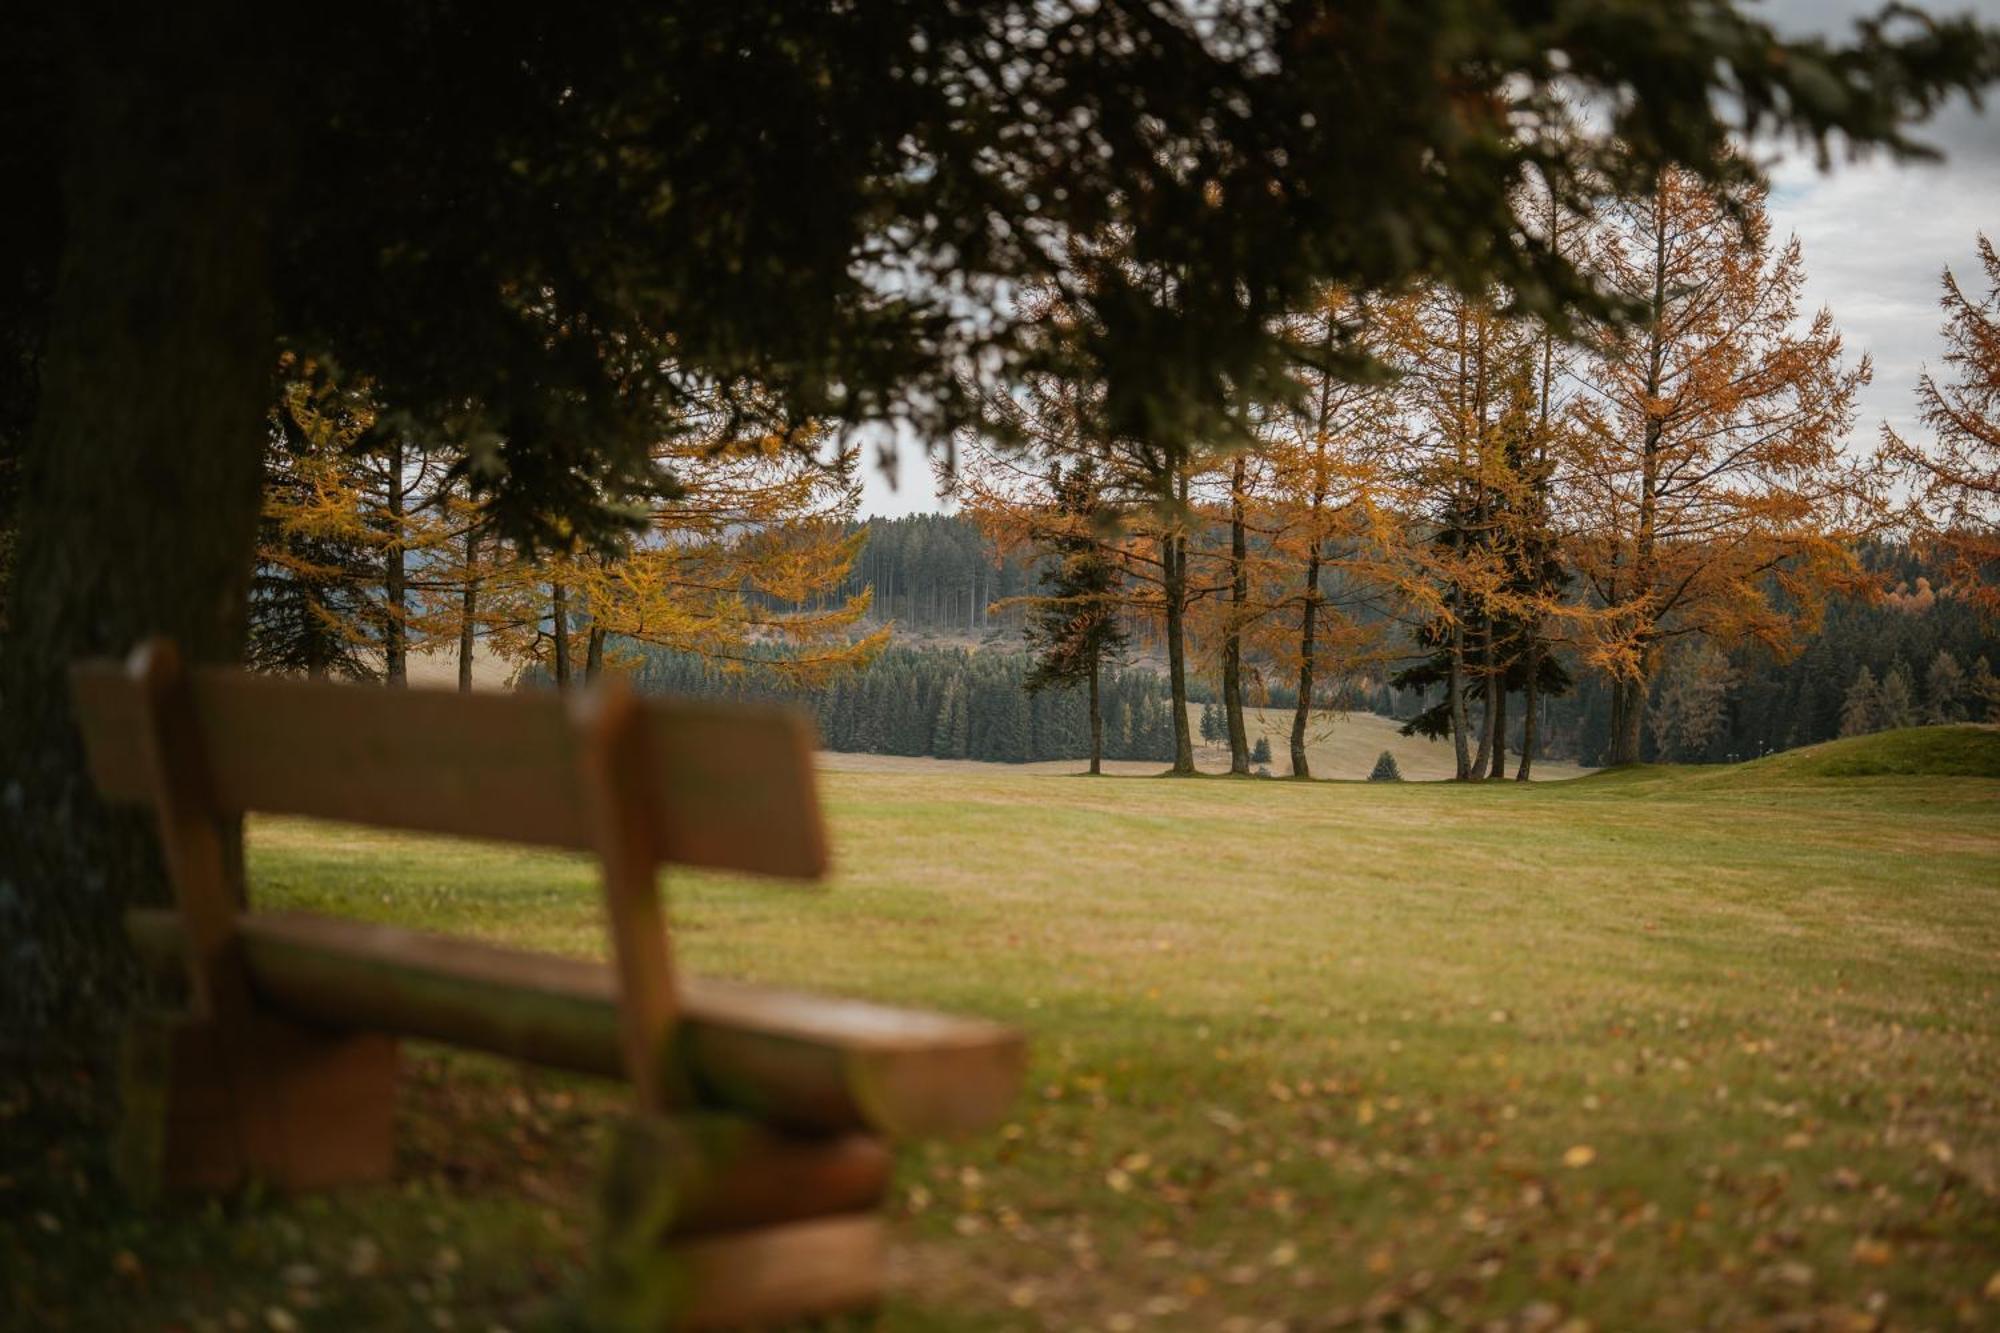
<point x="1772" y="705"/>
<point x="936" y="573"/>
<point x="944" y="703"/>
<point x="938" y="576"/>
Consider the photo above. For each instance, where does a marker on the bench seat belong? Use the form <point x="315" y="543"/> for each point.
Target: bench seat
<point x="803" y="1061"/>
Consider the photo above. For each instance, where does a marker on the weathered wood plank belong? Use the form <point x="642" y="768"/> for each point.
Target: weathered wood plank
<point x="705" y="1172"/>
<point x="617" y="791"/>
<point x="193" y="835"/>
<point x="749" y="1279"/>
<point x="733" y="786"/>
<point x="799" y="1060"/>
<point x="206" y="1106"/>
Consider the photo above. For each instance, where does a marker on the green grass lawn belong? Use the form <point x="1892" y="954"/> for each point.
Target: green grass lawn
<point x="1660" y="1048"/>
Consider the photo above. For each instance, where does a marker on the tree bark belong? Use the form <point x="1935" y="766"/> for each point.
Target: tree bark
<point x="559" y="623"/>
<point x="1232" y="643"/>
<point x="1487" y="715"/>
<point x="141" y="477"/>
<point x="1529" y="698"/>
<point x="1096" y="721"/>
<point x="1454" y="685"/>
<point x="468" y="611"/>
<point x="395" y="619"/>
<point x="1631" y="716"/>
<point x="1173" y="578"/>
<point x="1308" y="628"/>
<point x="593" y="654"/>
<point x="1496" y="697"/>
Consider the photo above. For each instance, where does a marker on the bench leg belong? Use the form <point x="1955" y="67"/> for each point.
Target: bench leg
<point x="710" y="1221"/>
<point x="209" y="1109"/>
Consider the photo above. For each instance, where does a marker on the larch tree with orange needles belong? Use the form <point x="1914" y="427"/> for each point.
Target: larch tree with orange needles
<point x="1957" y="475"/>
<point x="1330" y="508"/>
<point x="1711" y="482"/>
<point x="740" y="550"/>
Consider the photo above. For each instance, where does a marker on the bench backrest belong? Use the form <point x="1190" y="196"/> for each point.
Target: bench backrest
<point x="731" y="786"/>
<point x="640" y="782"/>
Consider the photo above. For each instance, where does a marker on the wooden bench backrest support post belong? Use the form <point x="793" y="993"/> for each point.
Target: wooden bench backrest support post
<point x="194" y="836"/>
<point x="640" y="783"/>
<point x="617" y="784"/>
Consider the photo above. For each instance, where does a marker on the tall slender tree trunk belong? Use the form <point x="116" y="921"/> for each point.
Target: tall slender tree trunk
<point x="1232" y="643"/>
<point x="1096" y="720"/>
<point x="1530" y="697"/>
<point x="1632" y="713"/>
<point x="559" y="622"/>
<point x="1617" y="720"/>
<point x="1461" y="741"/>
<point x="468" y="611"/>
<point x="1631" y="720"/>
<point x="140" y="479"/>
<point x="1173" y="555"/>
<point x="1308" y="628"/>
<point x="395" y="598"/>
<point x="593" y="653"/>
<point x="1496" y="692"/>
<point x="1488" y="714"/>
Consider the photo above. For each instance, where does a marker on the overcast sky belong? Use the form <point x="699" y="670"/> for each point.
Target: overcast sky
<point x="1876" y="237"/>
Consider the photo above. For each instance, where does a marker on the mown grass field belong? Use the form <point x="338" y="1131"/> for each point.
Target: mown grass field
<point x="1657" y="1048"/>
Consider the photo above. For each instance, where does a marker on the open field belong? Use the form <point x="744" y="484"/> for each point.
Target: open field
<point x="1658" y="1048"/>
<point x="1340" y="745"/>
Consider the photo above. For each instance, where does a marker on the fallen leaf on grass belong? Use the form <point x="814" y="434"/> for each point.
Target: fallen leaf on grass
<point x="1580" y="1156"/>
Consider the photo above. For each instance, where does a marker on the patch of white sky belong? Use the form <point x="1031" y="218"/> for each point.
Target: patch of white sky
<point x="1877" y="235"/>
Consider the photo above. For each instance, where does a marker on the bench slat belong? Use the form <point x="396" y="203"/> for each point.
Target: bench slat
<point x="795" y="1059"/>
<point x="734" y="784"/>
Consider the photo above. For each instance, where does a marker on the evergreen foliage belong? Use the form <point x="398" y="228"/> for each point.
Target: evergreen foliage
<point x="1858" y="714"/>
<point x="944" y="703"/>
<point x="1386" y="769"/>
<point x="1260" y="753"/>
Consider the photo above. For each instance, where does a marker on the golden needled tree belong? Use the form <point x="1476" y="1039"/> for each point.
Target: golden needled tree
<point x="1956" y="476"/>
<point x="1710" y="460"/>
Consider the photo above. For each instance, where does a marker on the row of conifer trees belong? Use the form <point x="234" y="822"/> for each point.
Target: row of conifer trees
<point x="945" y="703"/>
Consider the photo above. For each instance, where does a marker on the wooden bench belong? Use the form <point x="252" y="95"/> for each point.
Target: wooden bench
<point x="744" y="1188"/>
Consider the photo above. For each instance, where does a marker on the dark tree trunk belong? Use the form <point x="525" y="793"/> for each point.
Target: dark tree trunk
<point x="1488" y="714"/>
<point x="140" y="480"/>
<point x="1308" y="628"/>
<point x="1461" y="742"/>
<point x="1232" y="643"/>
<point x="1496" y="693"/>
<point x="1631" y="720"/>
<point x="1530" y="697"/>
<point x="559" y="623"/>
<point x="1173" y="561"/>
<point x="1096" y="721"/>
<point x="468" y="612"/>
<point x="395" y="620"/>
<point x="593" y="654"/>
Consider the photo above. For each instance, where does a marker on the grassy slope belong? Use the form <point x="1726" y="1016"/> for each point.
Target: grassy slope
<point x="1659" y="1048"/>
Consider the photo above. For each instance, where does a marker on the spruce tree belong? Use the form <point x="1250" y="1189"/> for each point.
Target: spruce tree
<point x="1859" y="711"/>
<point x="1895" y="708"/>
<point x="1944" y="690"/>
<point x="1386" y="769"/>
<point x="1260" y="753"/>
<point x="1984" y="691"/>
<point x="1074" y="628"/>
